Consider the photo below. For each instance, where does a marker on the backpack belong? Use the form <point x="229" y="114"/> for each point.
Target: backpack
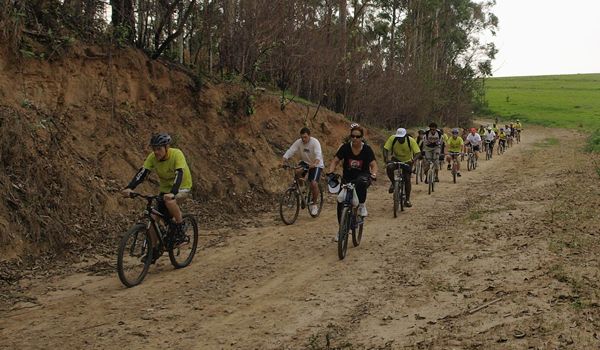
<point x="396" y="139"/>
<point x="426" y="139"/>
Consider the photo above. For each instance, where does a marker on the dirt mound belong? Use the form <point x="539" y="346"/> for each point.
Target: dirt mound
<point x="73" y="132"/>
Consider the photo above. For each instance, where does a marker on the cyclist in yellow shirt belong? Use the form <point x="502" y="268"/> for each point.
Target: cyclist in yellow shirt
<point x="502" y="137"/>
<point x="454" y="146"/>
<point x="174" y="178"/>
<point x="401" y="148"/>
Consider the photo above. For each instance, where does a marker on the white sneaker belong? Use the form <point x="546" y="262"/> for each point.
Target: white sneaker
<point x="362" y="210"/>
<point x="314" y="209"/>
<point x="335" y="239"/>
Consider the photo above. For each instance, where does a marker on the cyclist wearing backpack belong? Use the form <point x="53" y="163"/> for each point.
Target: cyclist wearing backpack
<point x="432" y="148"/>
<point x="402" y="148"/>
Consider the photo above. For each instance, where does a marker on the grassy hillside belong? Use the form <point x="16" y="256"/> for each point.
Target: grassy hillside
<point x="569" y="101"/>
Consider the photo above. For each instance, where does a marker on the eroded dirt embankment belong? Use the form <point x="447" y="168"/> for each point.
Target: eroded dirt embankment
<point x="74" y="131"/>
<point x="507" y="258"/>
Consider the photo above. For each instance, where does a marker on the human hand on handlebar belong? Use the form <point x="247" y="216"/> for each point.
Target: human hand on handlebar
<point x="127" y="192"/>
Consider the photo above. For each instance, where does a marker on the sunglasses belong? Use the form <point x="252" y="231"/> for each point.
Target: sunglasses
<point x="355" y="136"/>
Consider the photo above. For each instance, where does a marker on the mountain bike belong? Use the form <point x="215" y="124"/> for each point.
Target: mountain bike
<point x="455" y="163"/>
<point x="501" y="147"/>
<point x="298" y="195"/>
<point x="489" y="150"/>
<point x="518" y="136"/>
<point x="509" y="142"/>
<point x="399" y="186"/>
<point x="471" y="159"/>
<point x="349" y="218"/>
<point x="419" y="175"/>
<point x="430" y="177"/>
<point x="137" y="248"/>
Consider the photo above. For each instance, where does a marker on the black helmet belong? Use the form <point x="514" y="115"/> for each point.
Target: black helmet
<point x="161" y="139"/>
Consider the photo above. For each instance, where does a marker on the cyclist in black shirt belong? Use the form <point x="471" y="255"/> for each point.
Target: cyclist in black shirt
<point x="358" y="161"/>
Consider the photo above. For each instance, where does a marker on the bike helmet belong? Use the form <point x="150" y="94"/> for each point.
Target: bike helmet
<point x="422" y="131"/>
<point x="501" y="129"/>
<point x="333" y="184"/>
<point x="473" y="130"/>
<point x="354" y="125"/>
<point x="455" y="131"/>
<point x="161" y="139"/>
<point x="489" y="128"/>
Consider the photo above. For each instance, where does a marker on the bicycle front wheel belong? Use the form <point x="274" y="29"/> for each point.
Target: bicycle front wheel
<point x="134" y="255"/>
<point x="396" y="197"/>
<point x="430" y="179"/>
<point x="289" y="206"/>
<point x="182" y="254"/>
<point x="357" y="231"/>
<point x="343" y="233"/>
<point x="318" y="202"/>
<point x="401" y="195"/>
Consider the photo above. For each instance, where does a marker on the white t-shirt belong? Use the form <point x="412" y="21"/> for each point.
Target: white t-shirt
<point x="308" y="152"/>
<point x="474" y="140"/>
<point x="490" y="136"/>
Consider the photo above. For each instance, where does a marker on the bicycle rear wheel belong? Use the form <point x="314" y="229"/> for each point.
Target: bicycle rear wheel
<point x="319" y="200"/>
<point x="134" y="255"/>
<point x="182" y="254"/>
<point x="343" y="233"/>
<point x="289" y="206"/>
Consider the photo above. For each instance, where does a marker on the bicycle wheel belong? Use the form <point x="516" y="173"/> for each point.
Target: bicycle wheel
<point x="396" y="197"/>
<point x="343" y="233"/>
<point x="182" y="255"/>
<point x="418" y="172"/>
<point x="134" y="256"/>
<point x="430" y="179"/>
<point x="401" y="198"/>
<point x="454" y="171"/>
<point x="357" y="231"/>
<point x="470" y="163"/>
<point x="319" y="200"/>
<point x="289" y="206"/>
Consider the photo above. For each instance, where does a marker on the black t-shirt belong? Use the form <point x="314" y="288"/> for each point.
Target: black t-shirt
<point x="355" y="165"/>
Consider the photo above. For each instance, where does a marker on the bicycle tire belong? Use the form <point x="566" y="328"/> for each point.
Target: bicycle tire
<point x="357" y="231"/>
<point x="320" y="204"/>
<point x="124" y="263"/>
<point x="343" y="233"/>
<point x="454" y="173"/>
<point x="290" y="200"/>
<point x="401" y="198"/>
<point x="470" y="163"/>
<point x="396" y="196"/>
<point x="430" y="180"/>
<point x="175" y="252"/>
<point x="418" y="172"/>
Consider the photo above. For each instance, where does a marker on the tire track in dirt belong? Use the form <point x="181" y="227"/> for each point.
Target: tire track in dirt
<point x="410" y="283"/>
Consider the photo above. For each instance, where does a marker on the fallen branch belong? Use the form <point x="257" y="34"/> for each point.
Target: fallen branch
<point x="483" y="306"/>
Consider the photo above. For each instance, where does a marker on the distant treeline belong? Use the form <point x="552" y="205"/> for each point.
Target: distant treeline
<point x="388" y="62"/>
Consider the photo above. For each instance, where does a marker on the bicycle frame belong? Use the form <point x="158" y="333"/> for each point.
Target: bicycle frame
<point x="147" y="216"/>
<point x="296" y="184"/>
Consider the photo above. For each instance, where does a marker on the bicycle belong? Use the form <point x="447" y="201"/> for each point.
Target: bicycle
<point x="431" y="174"/>
<point x="399" y="186"/>
<point x="471" y="159"/>
<point x="518" y="136"/>
<point x="489" y="150"/>
<point x="419" y="175"/>
<point x="455" y="163"/>
<point x="501" y="147"/>
<point x="349" y="218"/>
<point x="136" y="249"/>
<point x="296" y="196"/>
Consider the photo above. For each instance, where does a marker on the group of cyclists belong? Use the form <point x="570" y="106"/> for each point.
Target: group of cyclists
<point x="356" y="157"/>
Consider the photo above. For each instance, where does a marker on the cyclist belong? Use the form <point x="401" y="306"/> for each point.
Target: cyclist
<point x="443" y="151"/>
<point x="481" y="131"/>
<point x="502" y="137"/>
<point x="518" y="126"/>
<point x="312" y="162"/>
<point x="454" y="147"/>
<point x="175" y="182"/>
<point x="490" y="138"/>
<point x="402" y="148"/>
<point x="432" y="147"/>
<point x="358" y="160"/>
<point x="464" y="134"/>
<point x="495" y="129"/>
<point x="474" y="140"/>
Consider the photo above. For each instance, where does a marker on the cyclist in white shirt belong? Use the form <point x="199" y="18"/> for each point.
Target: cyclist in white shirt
<point x="490" y="137"/>
<point x="312" y="162"/>
<point x="474" y="139"/>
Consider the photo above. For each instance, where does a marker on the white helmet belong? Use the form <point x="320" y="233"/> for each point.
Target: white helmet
<point x="333" y="184"/>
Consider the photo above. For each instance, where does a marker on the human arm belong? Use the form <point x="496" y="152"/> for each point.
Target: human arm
<point x="139" y="177"/>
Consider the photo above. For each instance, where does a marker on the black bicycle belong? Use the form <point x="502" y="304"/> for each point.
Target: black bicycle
<point x="349" y="219"/>
<point x="298" y="195"/>
<point x="399" y="186"/>
<point x="136" y="251"/>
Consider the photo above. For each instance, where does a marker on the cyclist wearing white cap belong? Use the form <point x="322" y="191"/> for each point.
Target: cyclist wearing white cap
<point x="402" y="148"/>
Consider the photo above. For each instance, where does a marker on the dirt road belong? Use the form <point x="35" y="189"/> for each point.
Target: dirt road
<point x="507" y="259"/>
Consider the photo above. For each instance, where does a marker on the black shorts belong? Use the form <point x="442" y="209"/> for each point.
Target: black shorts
<point x="314" y="174"/>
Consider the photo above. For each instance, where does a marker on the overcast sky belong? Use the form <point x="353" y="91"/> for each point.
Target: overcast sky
<point x="540" y="37"/>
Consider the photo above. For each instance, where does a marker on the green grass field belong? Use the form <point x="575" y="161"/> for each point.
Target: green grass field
<point x="566" y="101"/>
<point x="569" y="101"/>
